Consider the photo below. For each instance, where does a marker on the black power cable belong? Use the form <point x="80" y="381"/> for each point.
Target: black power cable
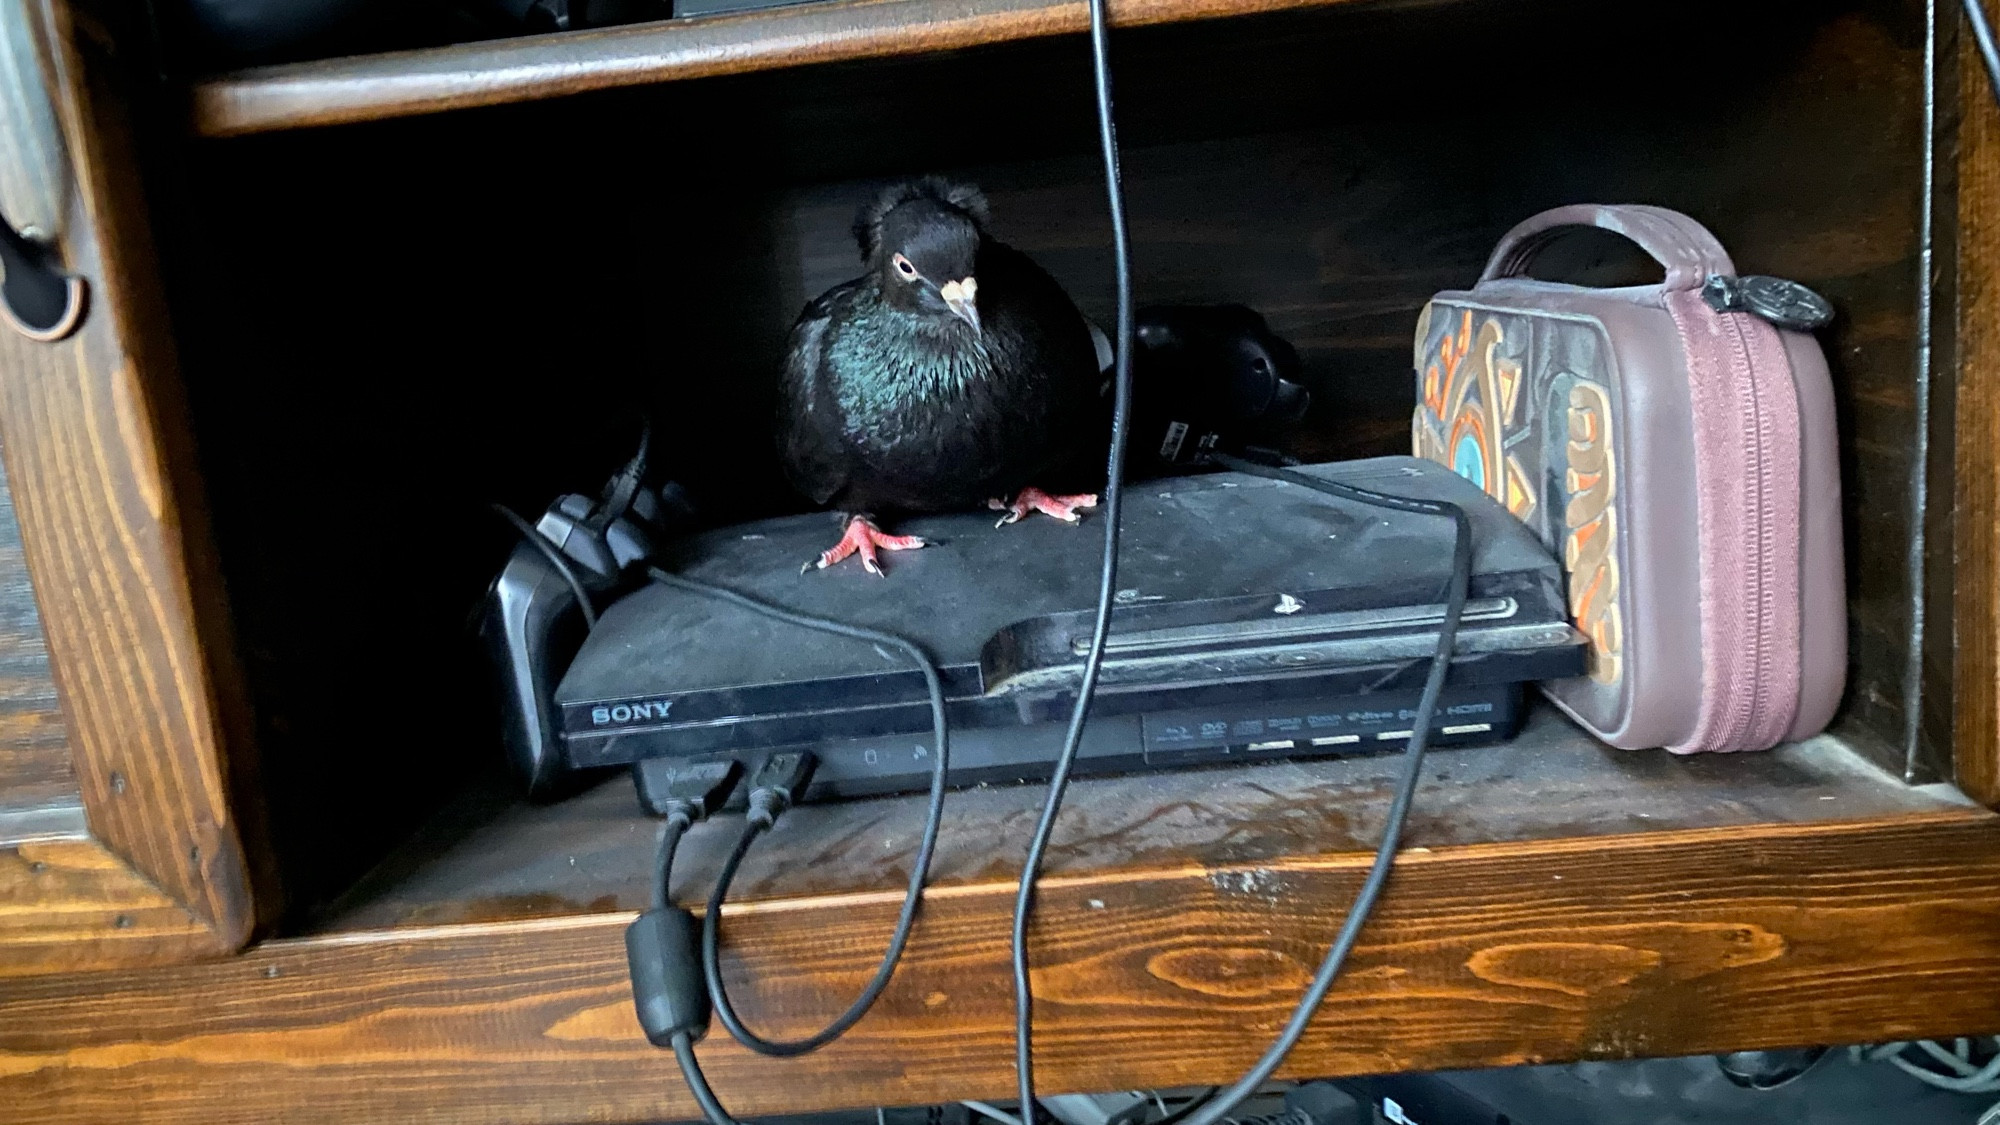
<point x="1982" y="35"/>
<point x="541" y="543"/>
<point x="1182" y="1113"/>
<point x="1406" y="785"/>
<point x="623" y="488"/>
<point x="682" y="991"/>
<point x="684" y="1024"/>
<point x="1114" y="484"/>
<point x="697" y="1082"/>
<point x="912" y="898"/>
<point x="663" y="864"/>
<point x="1221" y="1106"/>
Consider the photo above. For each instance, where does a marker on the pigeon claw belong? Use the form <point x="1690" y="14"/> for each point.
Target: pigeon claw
<point x="1064" y="508"/>
<point x="862" y="537"/>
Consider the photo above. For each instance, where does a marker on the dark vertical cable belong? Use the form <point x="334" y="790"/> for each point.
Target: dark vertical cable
<point x="663" y="865"/>
<point x="1917" y="553"/>
<point x="697" y="1083"/>
<point x="1114" y="483"/>
<point x="1982" y="34"/>
<point x="1406" y="784"/>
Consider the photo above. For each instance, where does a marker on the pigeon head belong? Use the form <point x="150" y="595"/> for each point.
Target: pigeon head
<point x="923" y="238"/>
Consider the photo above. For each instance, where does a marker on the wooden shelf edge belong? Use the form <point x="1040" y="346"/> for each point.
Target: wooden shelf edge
<point x="825" y="904"/>
<point x="1654" y="944"/>
<point x="70" y="906"/>
<point x="409" y="83"/>
<point x="1976" y="686"/>
<point x="98" y="470"/>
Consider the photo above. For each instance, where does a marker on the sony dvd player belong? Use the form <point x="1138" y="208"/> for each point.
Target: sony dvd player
<point x="1254" y="619"/>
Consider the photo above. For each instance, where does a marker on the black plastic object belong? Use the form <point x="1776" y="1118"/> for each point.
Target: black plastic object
<point x="1330" y="726"/>
<point x="231" y="33"/>
<point x="224" y="34"/>
<point x="1421" y="1099"/>
<point x="1786" y="304"/>
<point x="1318" y="1103"/>
<point x="1768" y="1070"/>
<point x="663" y="953"/>
<point x="1246" y="607"/>
<point x="684" y="9"/>
<point x="533" y="624"/>
<point x="1205" y="377"/>
<point x="565" y="15"/>
<point x="701" y="787"/>
<point x="41" y="301"/>
<point x="780" y="780"/>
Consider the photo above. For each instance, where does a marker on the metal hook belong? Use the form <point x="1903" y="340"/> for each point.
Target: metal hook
<point x="37" y="299"/>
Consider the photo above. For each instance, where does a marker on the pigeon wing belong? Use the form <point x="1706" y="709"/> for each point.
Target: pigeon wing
<point x="809" y="430"/>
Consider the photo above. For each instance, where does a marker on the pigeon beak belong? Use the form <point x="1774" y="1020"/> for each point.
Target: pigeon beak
<point x="962" y="296"/>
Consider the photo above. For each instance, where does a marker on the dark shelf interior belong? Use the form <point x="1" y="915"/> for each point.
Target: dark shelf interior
<point x="386" y="326"/>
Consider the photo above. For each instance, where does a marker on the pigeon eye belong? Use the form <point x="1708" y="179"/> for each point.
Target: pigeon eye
<point x="904" y="267"/>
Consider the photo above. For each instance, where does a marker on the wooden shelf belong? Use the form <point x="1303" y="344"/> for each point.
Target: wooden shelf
<point x="495" y="858"/>
<point x="408" y="83"/>
<point x="1558" y="901"/>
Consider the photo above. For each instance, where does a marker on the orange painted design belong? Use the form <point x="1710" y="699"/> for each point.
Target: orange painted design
<point x="1521" y="498"/>
<point x="1509" y="374"/>
<point x="1582" y="604"/>
<point x="1474" y="394"/>
<point x="1433" y="383"/>
<point x="1484" y="372"/>
<point x="1463" y="398"/>
<point x="1590" y="545"/>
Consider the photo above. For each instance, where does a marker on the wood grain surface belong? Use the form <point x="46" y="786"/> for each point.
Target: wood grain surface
<point x="35" y="767"/>
<point x="90" y="431"/>
<point x="493" y="857"/>
<point x="1976" y="682"/>
<point x="1479" y="955"/>
<point x="428" y="81"/>
<point x="67" y="905"/>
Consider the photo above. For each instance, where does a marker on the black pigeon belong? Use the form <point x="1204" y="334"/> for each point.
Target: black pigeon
<point x="954" y="372"/>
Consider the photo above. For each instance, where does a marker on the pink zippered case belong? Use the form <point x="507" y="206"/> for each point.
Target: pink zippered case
<point x="1674" y="445"/>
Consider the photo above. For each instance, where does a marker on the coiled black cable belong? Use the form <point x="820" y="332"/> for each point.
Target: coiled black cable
<point x="919" y="871"/>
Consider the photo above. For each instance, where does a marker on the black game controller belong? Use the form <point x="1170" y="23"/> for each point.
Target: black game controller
<point x="536" y="615"/>
<point x="1205" y="378"/>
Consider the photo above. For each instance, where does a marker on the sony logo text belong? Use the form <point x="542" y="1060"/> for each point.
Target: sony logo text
<point x="630" y="712"/>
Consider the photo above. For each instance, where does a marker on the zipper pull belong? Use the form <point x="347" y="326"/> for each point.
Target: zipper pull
<point x="1786" y="304"/>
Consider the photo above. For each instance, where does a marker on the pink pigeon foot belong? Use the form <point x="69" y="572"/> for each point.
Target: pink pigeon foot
<point x="1063" y="508"/>
<point x="863" y="537"/>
